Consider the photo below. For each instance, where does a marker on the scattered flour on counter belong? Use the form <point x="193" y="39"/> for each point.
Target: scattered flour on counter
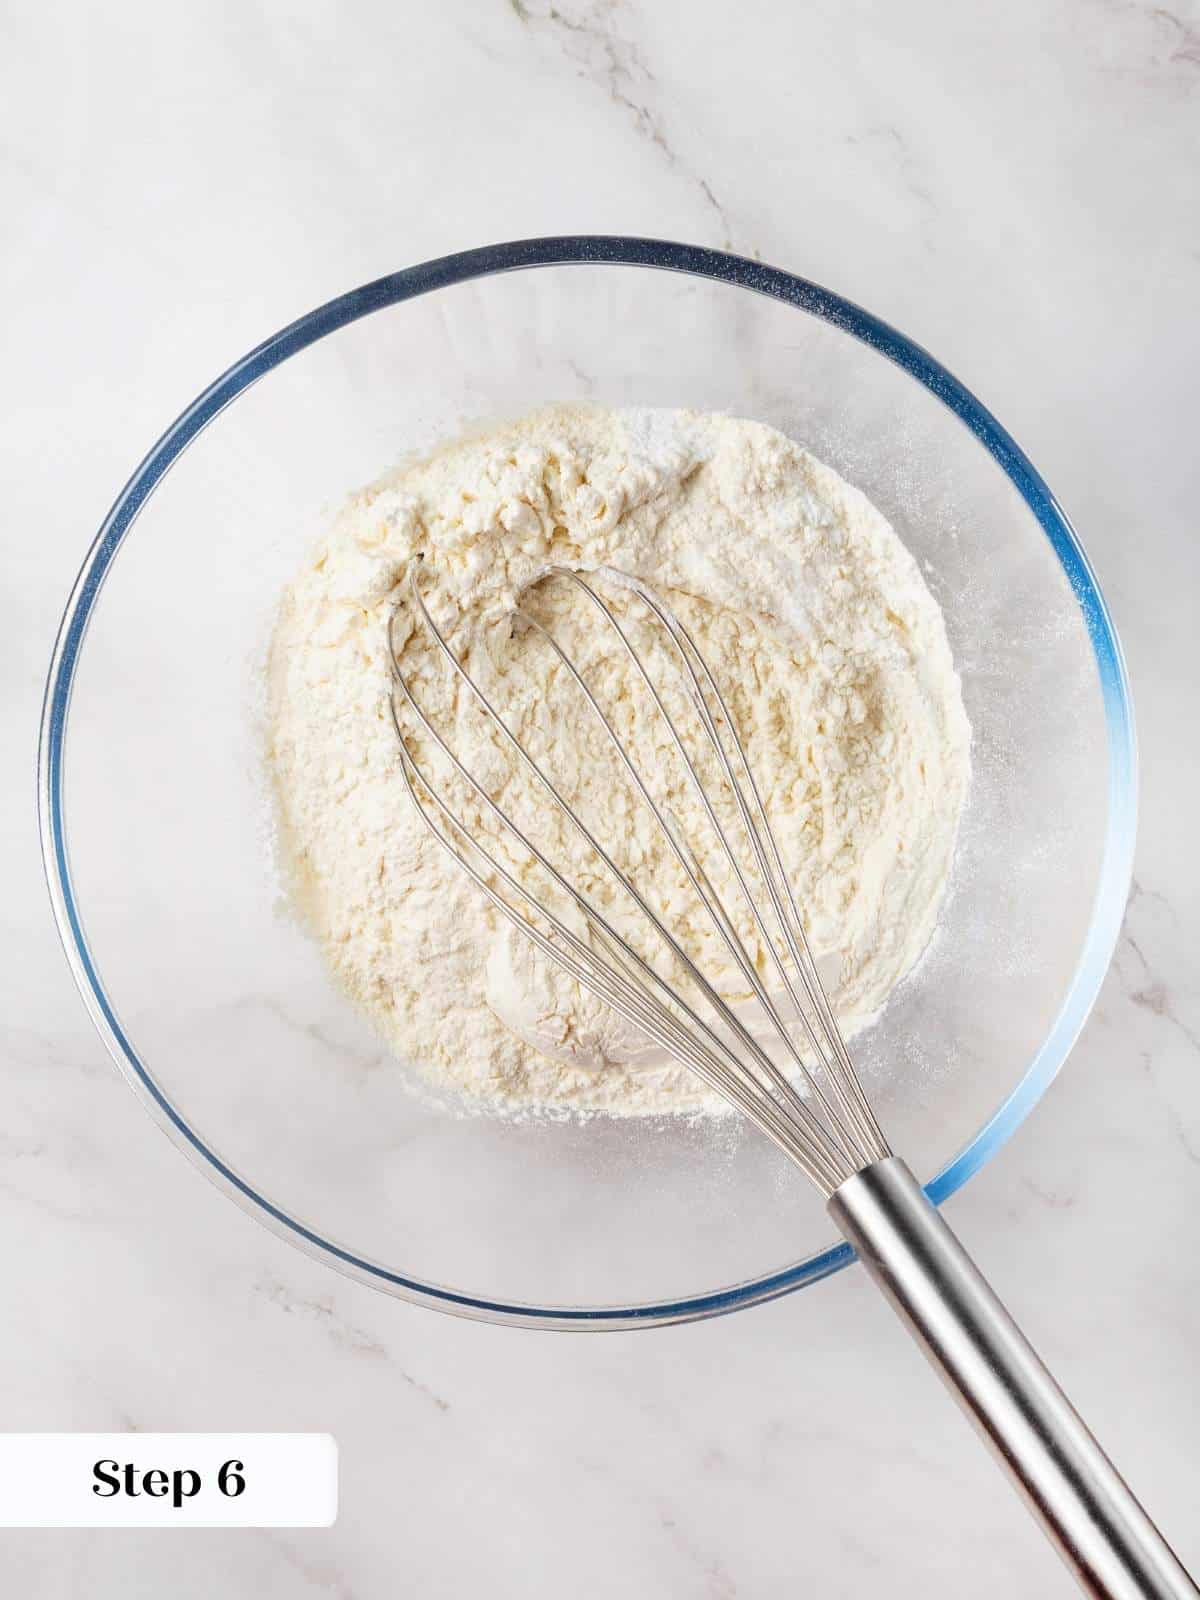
<point x="817" y="625"/>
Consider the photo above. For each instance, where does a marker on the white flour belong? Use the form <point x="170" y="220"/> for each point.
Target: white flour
<point x="816" y="623"/>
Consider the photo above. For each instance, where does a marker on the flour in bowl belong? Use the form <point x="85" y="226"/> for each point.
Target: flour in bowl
<point x="817" y="625"/>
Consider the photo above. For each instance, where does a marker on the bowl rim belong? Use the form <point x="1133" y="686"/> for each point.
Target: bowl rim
<point x="661" y="255"/>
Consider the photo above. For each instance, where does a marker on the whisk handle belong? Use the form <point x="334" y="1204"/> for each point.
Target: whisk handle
<point x="1099" y="1529"/>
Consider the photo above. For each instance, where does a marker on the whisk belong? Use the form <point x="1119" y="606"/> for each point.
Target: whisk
<point x="803" y="1093"/>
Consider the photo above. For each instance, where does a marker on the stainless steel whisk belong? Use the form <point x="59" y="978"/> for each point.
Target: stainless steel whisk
<point x="813" y="1108"/>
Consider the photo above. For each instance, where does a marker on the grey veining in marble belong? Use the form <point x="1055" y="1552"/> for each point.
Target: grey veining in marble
<point x="1015" y="188"/>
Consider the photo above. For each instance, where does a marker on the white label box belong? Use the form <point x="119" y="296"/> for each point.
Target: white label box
<point x="168" y="1480"/>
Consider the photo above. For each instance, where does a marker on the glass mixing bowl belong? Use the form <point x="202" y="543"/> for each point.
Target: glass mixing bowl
<point x="156" y="825"/>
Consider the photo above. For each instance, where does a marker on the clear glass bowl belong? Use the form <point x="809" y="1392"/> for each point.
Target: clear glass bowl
<point x="217" y="1007"/>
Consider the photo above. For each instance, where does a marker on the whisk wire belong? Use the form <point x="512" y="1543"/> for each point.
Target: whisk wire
<point x="624" y="882"/>
<point x="830" y="1140"/>
<point x="646" y="1011"/>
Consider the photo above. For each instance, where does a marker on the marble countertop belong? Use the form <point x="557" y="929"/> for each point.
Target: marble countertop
<point x="1016" y="192"/>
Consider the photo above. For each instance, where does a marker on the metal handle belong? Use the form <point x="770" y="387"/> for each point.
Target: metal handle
<point x="1099" y="1529"/>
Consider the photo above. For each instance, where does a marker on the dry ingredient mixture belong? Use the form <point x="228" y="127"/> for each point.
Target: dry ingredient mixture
<point x="816" y="623"/>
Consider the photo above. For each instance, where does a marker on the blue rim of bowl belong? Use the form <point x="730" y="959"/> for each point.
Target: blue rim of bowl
<point x="661" y="255"/>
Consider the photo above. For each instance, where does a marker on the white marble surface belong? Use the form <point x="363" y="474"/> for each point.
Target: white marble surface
<point x="1017" y="191"/>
